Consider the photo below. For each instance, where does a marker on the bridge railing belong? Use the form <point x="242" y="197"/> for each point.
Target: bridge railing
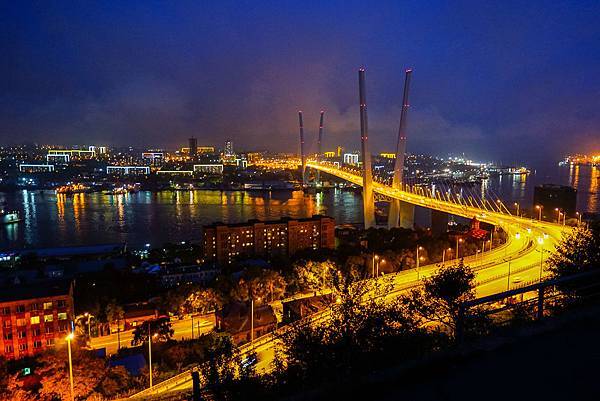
<point x="535" y="295"/>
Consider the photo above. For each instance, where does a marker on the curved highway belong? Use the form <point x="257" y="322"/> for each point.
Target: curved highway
<point x="516" y="263"/>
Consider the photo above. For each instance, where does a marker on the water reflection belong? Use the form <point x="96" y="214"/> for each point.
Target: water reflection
<point x="146" y="217"/>
<point x="55" y="219"/>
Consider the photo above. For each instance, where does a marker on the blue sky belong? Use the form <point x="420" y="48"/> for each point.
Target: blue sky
<point x="507" y="81"/>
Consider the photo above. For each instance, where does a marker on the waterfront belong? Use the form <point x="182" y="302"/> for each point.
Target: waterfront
<point x="50" y="219"/>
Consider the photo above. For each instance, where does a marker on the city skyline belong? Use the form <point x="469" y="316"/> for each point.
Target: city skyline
<point x="486" y="78"/>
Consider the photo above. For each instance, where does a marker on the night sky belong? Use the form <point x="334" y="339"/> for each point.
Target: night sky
<point x="506" y="81"/>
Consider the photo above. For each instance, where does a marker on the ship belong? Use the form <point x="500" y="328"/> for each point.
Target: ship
<point x="9" y="217"/>
<point x="71" y="189"/>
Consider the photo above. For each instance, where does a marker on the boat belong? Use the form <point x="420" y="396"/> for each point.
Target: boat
<point x="71" y="189"/>
<point x="9" y="217"/>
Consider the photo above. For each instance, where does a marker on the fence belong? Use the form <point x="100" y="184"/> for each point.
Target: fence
<point x="547" y="294"/>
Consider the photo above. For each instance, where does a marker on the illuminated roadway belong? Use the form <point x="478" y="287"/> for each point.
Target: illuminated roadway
<point x="182" y="329"/>
<point x="529" y="243"/>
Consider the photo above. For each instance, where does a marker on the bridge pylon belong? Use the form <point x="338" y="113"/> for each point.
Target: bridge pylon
<point x="368" y="199"/>
<point x="302" y="152"/>
<point x="400" y="213"/>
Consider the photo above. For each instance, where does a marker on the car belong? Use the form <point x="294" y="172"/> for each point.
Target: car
<point x="249" y="361"/>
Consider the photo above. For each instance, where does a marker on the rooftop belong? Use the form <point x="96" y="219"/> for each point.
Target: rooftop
<point x="283" y="220"/>
<point x="41" y="290"/>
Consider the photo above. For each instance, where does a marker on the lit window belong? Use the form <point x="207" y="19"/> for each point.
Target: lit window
<point x="62" y="316"/>
<point x="48" y="318"/>
<point x="35" y="319"/>
<point x="47" y="305"/>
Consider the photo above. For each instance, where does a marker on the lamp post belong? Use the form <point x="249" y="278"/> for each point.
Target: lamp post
<point x="69" y="338"/>
<point x="86" y="314"/>
<point x="419" y="248"/>
<point x="517" y="206"/>
<point x="558" y="213"/>
<point x="578" y="217"/>
<point x="150" y="337"/>
<point x="379" y="261"/>
<point x="539" y="208"/>
<point x="375" y="257"/>
<point x="458" y="240"/>
<point x="508" y="280"/>
<point x="541" y="242"/>
<point x="444" y="255"/>
<point x="252" y="320"/>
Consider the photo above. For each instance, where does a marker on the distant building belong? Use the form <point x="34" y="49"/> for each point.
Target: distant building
<point x="58" y="158"/>
<point x="388" y="155"/>
<point x="552" y="197"/>
<point x="71" y="260"/>
<point x="226" y="242"/>
<point x="136" y="314"/>
<point x="209" y="168"/>
<point x="235" y="319"/>
<point x="36" y="168"/>
<point x="34" y="318"/>
<point x="206" y="149"/>
<point x="193" y="145"/>
<point x="155" y="158"/>
<point x="74" y="153"/>
<point x="173" y="276"/>
<point x="229" y="148"/>
<point x="297" y="309"/>
<point x="351" y="158"/>
<point x="127" y="170"/>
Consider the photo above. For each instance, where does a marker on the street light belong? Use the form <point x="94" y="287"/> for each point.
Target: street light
<point x="252" y="319"/>
<point x="578" y="217"/>
<point x="69" y="339"/>
<point x="379" y="261"/>
<point x="86" y="314"/>
<point x="419" y="248"/>
<point x="540" y="241"/>
<point x="517" y="206"/>
<point x="558" y="213"/>
<point x="375" y="257"/>
<point x="458" y="240"/>
<point x="444" y="254"/>
<point x="539" y="208"/>
<point x="150" y="337"/>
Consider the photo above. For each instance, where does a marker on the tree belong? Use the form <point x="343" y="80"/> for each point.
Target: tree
<point x="203" y="300"/>
<point x="578" y="252"/>
<point x="114" y="312"/>
<point x="442" y="295"/>
<point x="313" y="276"/>
<point x="94" y="379"/>
<point x="222" y="362"/>
<point x="363" y="330"/>
<point x="263" y="285"/>
<point x="161" y="328"/>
